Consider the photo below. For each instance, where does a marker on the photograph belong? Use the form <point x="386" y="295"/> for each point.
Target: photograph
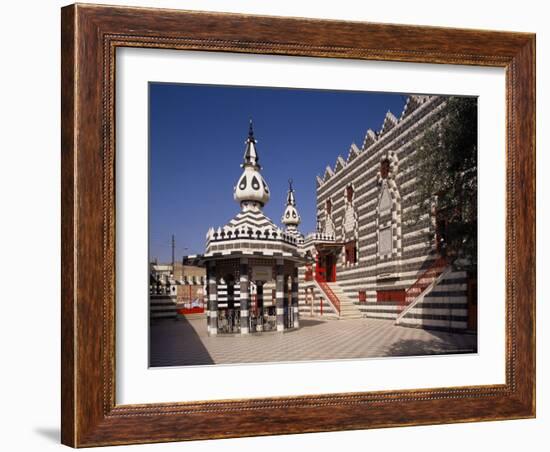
<point x="275" y="226"/>
<point x="291" y="224"/>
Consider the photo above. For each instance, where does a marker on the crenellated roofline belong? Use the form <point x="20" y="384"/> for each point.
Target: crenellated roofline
<point x="390" y="122"/>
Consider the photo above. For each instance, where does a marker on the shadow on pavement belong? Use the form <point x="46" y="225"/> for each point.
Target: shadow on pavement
<point x="176" y="343"/>
<point x="439" y="345"/>
<point x="304" y="323"/>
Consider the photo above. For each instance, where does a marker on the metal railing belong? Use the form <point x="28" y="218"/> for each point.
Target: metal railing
<point x="335" y="301"/>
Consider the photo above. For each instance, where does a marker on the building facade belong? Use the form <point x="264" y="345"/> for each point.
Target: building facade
<point x="369" y="260"/>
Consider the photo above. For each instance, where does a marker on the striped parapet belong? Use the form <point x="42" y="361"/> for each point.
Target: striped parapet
<point x="162" y="306"/>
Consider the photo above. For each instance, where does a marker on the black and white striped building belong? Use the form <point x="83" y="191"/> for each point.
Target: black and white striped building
<point x="251" y="264"/>
<point x="369" y="261"/>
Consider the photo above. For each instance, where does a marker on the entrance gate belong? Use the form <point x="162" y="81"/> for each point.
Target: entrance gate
<point x="325" y="268"/>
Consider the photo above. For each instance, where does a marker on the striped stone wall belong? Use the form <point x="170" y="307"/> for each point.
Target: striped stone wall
<point x="379" y="206"/>
<point x="223" y="298"/>
<point x="387" y="310"/>
<point x="444" y="308"/>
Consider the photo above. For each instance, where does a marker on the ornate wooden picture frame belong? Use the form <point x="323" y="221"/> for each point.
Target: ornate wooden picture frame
<point x="90" y="37"/>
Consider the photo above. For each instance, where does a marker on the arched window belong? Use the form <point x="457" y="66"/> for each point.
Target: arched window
<point x="349" y="193"/>
<point x="350" y="249"/>
<point x="329" y="207"/>
<point x="384" y="168"/>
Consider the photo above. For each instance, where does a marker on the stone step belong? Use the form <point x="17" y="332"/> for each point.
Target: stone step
<point x="348" y="309"/>
<point x="352" y="316"/>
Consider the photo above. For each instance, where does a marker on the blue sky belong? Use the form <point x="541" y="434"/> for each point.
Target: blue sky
<point x="197" y="135"/>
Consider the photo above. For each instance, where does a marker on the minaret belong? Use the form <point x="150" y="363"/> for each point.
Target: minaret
<point x="291" y="218"/>
<point x="251" y="191"/>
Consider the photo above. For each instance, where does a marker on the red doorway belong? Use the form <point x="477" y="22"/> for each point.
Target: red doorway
<point x="326" y="267"/>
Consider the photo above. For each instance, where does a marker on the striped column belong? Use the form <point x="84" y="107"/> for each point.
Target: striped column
<point x="294" y="298"/>
<point x="212" y="300"/>
<point x="260" y="304"/>
<point x="245" y="294"/>
<point x="280" y="294"/>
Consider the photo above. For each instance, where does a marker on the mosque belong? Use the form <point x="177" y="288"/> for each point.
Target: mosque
<point x="363" y="260"/>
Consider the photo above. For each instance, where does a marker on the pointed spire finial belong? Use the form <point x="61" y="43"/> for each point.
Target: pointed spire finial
<point x="291" y="218"/>
<point x="290" y="199"/>
<point x="250" y="153"/>
<point x="250" y="129"/>
<point x="251" y="190"/>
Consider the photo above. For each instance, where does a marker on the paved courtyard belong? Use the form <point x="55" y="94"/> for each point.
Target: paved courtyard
<point x="186" y="342"/>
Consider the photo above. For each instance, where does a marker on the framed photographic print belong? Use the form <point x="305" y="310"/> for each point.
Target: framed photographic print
<point x="282" y="225"/>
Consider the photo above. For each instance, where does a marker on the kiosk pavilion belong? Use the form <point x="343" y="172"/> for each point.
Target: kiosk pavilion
<point x="251" y="264"/>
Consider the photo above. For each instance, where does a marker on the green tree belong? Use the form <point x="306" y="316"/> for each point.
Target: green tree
<point x="445" y="163"/>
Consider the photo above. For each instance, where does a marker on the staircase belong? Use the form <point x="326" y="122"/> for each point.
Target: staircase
<point x="426" y="280"/>
<point x="344" y="306"/>
<point x="162" y="306"/>
<point x="442" y="306"/>
<point x="429" y="279"/>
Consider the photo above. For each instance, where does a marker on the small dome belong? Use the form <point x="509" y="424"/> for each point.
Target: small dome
<point x="251" y="187"/>
<point x="291" y="216"/>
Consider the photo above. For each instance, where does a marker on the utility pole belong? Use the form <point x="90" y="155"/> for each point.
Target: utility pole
<point x="173" y="254"/>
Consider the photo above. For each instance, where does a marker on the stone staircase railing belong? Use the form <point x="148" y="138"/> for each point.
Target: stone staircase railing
<point x="425" y="288"/>
<point x="425" y="280"/>
<point x="334" y="300"/>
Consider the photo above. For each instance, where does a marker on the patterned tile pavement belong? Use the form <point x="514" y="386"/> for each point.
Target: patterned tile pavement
<point x="186" y="342"/>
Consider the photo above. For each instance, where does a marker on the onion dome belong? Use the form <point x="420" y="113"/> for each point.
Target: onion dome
<point x="291" y="218"/>
<point x="251" y="191"/>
